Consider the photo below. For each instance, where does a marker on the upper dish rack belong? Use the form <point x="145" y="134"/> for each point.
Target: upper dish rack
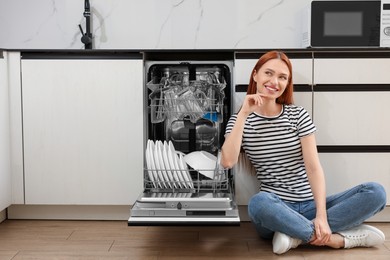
<point x="177" y="97"/>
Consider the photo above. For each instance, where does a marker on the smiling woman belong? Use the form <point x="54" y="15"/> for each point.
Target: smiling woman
<point x="278" y="138"/>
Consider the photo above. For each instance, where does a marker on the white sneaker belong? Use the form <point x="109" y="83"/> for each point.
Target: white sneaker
<point x="282" y="243"/>
<point x="362" y="236"/>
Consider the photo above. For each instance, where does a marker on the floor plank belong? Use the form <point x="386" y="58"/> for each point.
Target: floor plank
<point x="46" y="239"/>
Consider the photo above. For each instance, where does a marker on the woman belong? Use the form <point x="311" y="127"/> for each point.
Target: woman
<point x="278" y="138"/>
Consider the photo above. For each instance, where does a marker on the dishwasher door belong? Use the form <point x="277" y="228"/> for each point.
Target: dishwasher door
<point x="204" y="201"/>
<point x="184" y="209"/>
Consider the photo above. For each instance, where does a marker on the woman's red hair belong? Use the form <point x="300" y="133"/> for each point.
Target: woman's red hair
<point x="287" y="96"/>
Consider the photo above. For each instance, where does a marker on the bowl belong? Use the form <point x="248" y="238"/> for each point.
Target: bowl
<point x="203" y="162"/>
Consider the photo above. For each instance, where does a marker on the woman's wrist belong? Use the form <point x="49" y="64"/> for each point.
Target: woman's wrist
<point x="242" y="113"/>
<point x="321" y="214"/>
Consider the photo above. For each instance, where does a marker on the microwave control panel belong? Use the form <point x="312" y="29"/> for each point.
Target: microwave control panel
<point x="385" y="24"/>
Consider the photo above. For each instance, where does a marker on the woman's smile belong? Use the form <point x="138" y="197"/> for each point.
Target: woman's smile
<point x="271" y="88"/>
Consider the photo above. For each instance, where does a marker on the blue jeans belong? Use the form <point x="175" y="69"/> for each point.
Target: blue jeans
<point x="345" y="210"/>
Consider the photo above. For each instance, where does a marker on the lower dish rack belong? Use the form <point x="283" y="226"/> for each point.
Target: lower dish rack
<point x="185" y="181"/>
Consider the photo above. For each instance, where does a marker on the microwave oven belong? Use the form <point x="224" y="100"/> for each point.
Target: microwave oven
<point x="346" y="24"/>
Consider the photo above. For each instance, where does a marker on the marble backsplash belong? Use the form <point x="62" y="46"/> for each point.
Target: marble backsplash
<point x="152" y="24"/>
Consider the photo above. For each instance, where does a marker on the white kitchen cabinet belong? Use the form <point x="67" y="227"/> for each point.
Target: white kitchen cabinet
<point x="16" y="131"/>
<point x="346" y="114"/>
<point x="345" y="170"/>
<point x="82" y="130"/>
<point x="350" y="111"/>
<point x="352" y="118"/>
<point x="351" y="71"/>
<point x="5" y="169"/>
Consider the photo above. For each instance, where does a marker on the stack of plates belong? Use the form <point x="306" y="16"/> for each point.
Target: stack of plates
<point x="166" y="167"/>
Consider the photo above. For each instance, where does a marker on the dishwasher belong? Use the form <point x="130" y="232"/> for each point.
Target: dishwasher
<point x="188" y="103"/>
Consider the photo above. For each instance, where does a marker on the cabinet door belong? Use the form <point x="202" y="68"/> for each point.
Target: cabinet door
<point x="5" y="169"/>
<point x="352" y="70"/>
<point x="345" y="170"/>
<point x="82" y="130"/>
<point x="352" y="117"/>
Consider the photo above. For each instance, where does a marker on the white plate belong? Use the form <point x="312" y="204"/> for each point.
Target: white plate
<point x="202" y="161"/>
<point x="149" y="164"/>
<point x="185" y="171"/>
<point x="173" y="160"/>
<point x="153" y="159"/>
<point x="153" y="164"/>
<point x="168" y="167"/>
<point x="173" y="167"/>
<point x="159" y="149"/>
<point x="158" y="167"/>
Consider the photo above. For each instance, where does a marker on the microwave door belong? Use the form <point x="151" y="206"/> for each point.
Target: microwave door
<point x="345" y="23"/>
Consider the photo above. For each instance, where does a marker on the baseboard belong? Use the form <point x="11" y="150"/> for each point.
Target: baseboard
<point x="383" y="216"/>
<point x="3" y="215"/>
<point x="69" y="212"/>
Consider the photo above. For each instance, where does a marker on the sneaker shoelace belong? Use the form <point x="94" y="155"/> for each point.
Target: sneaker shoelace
<point x="356" y="240"/>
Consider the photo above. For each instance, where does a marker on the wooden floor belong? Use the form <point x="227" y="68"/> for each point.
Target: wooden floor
<point x="35" y="239"/>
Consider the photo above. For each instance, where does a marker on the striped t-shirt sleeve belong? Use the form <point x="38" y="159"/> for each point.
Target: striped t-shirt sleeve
<point x="305" y="124"/>
<point x="230" y="124"/>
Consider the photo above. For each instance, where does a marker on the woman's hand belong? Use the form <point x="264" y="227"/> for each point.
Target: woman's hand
<point x="322" y="232"/>
<point x="251" y="102"/>
<point x="232" y="145"/>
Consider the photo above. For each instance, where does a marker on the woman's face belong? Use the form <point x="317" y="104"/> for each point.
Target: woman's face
<point x="272" y="78"/>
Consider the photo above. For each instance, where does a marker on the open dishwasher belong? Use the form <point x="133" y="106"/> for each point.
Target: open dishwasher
<point x="188" y="105"/>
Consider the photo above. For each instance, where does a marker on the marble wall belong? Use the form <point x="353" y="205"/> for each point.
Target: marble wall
<point x="152" y="24"/>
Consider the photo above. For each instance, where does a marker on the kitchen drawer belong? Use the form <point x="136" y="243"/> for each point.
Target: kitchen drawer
<point x="345" y="170"/>
<point x="352" y="71"/>
<point x="352" y="118"/>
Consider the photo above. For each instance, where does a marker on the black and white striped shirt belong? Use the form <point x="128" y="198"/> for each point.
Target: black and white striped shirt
<point x="273" y="146"/>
